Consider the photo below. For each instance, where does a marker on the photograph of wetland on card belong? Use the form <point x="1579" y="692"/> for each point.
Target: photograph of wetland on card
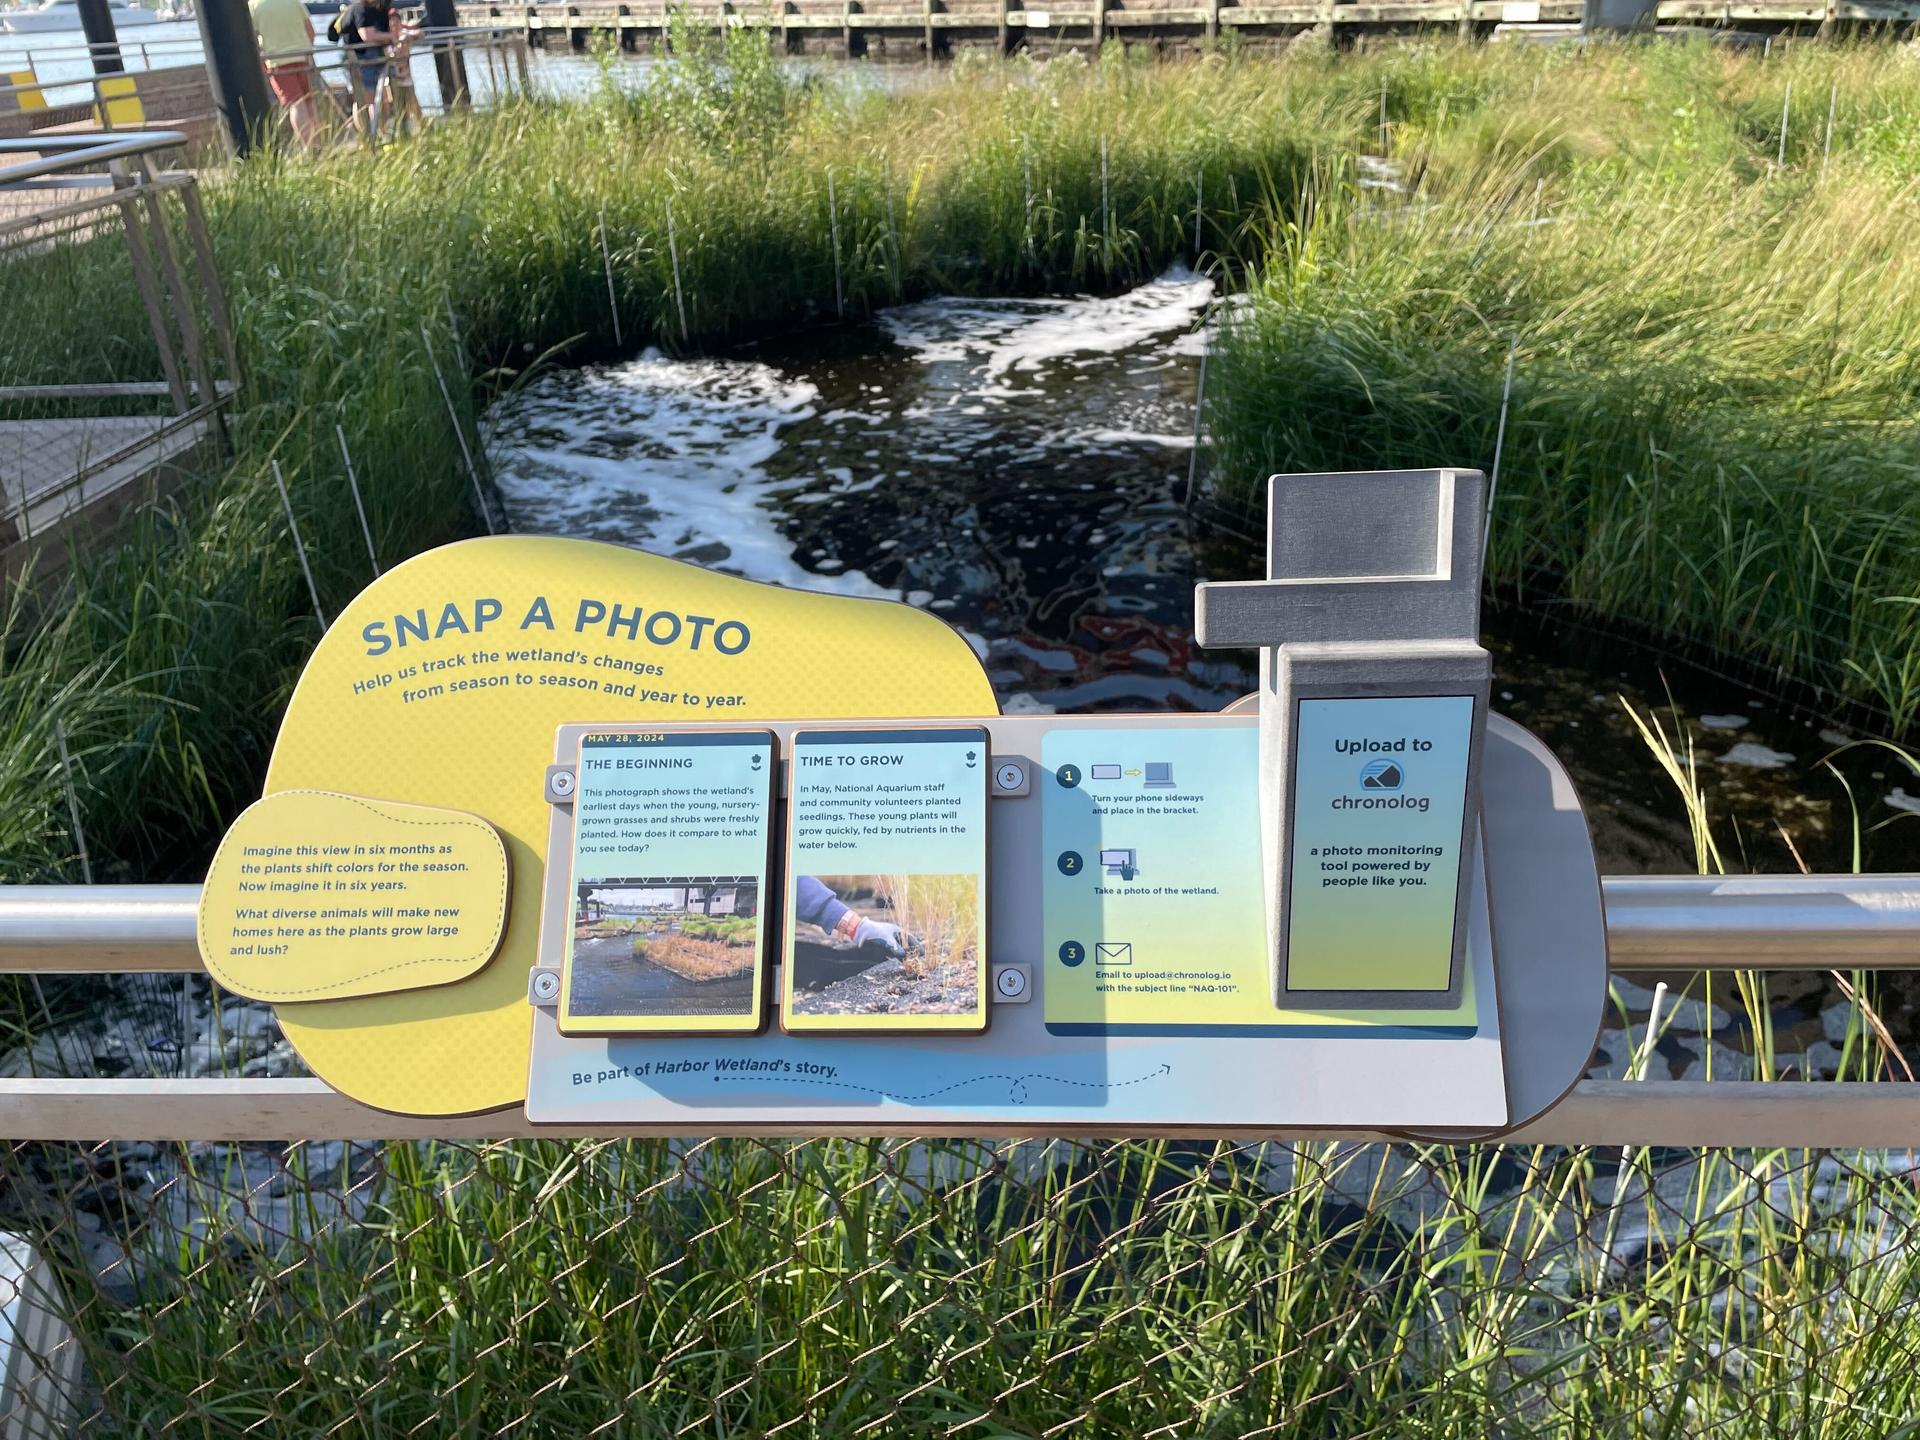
<point x="665" y="949"/>
<point x="669" y="881"/>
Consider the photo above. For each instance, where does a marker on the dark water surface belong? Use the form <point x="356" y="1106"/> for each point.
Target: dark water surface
<point x="609" y="980"/>
<point x="1019" y="468"/>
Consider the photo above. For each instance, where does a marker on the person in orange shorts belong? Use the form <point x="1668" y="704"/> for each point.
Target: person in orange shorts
<point x="285" y="33"/>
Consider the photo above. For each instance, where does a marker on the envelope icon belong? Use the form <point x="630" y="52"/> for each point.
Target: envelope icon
<point x="1113" y="952"/>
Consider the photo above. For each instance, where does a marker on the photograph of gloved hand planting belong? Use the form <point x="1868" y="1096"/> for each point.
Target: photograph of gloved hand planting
<point x="886" y="944"/>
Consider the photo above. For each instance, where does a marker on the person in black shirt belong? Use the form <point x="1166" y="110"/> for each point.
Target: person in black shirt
<point x="367" y="28"/>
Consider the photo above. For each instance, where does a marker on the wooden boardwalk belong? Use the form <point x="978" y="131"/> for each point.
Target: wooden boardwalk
<point x="931" y="29"/>
<point x="76" y="455"/>
<point x="51" y="470"/>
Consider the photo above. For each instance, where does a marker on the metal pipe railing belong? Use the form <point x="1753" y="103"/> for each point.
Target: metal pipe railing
<point x="59" y="154"/>
<point x="68" y="929"/>
<point x="1665" y="922"/>
<point x="1654" y="922"/>
<point x="331" y="66"/>
<point x="1738" y="922"/>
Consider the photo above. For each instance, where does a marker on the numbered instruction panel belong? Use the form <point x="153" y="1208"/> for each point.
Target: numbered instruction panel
<point x="1154" y="893"/>
<point x="670" y="877"/>
<point x="887" y="881"/>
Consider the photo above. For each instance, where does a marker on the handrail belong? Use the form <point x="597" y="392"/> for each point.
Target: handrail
<point x="1668" y="922"/>
<point x="1830" y="1114"/>
<point x="110" y="929"/>
<point x="1654" y="922"/>
<point x="105" y="47"/>
<point x="192" y="44"/>
<point x="1762" y="922"/>
<point x="323" y="56"/>
<point x="64" y="154"/>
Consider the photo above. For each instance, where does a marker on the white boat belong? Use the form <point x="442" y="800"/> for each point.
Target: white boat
<point x="65" y="15"/>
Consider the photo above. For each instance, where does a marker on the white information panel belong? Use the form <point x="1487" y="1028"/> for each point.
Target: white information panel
<point x="887" y="881"/>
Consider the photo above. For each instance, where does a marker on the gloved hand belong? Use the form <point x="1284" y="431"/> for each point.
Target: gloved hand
<point x="890" y="938"/>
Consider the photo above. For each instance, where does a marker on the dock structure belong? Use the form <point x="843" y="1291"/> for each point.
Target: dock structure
<point x="55" y="468"/>
<point x="936" y="29"/>
<point x="77" y="453"/>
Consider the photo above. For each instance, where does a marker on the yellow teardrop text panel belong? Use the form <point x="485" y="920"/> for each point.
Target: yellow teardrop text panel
<point x="444" y="682"/>
<point x="316" y="895"/>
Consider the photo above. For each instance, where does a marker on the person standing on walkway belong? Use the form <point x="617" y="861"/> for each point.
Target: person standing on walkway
<point x="367" y="28"/>
<point x="285" y="35"/>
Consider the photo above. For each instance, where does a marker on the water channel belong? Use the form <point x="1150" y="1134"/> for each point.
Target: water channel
<point x="1019" y="468"/>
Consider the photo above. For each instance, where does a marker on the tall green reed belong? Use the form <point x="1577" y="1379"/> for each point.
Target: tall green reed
<point x="1712" y="432"/>
<point x="736" y="199"/>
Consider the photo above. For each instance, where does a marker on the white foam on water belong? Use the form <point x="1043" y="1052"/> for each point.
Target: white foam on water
<point x="1756" y="757"/>
<point x="1106" y="439"/>
<point x="665" y="455"/>
<point x="1025" y="703"/>
<point x="1900" y="800"/>
<point x="676" y="456"/>
<point x="1002" y="340"/>
<point x="1061" y="662"/>
<point x="1724" y="722"/>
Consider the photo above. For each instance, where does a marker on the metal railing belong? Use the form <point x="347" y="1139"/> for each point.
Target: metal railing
<point x="454" y="1278"/>
<point x="67" y="450"/>
<point x="172" y="73"/>
<point x="486" y="64"/>
<point x="1677" y="923"/>
<point x="431" y="71"/>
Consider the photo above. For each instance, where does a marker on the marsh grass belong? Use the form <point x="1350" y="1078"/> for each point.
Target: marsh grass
<point x="1711" y="430"/>
<point x="1136" y="1288"/>
<point x="943" y="913"/>
<point x="735" y="201"/>
<point x="698" y="957"/>
<point x="1712" y="433"/>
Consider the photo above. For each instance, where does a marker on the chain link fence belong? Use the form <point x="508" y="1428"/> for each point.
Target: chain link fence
<point x="948" y="1287"/>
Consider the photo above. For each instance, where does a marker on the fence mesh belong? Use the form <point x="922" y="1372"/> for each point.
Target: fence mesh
<point x="951" y="1287"/>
